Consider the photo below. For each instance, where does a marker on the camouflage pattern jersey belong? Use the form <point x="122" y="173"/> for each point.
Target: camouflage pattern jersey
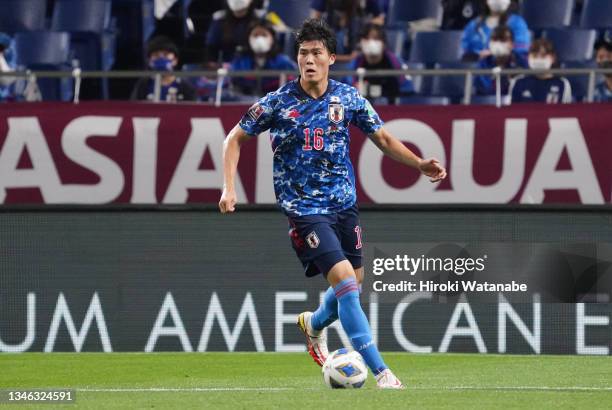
<point x="310" y="140"/>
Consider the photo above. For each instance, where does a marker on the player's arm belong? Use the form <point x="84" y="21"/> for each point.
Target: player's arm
<point x="231" y="155"/>
<point x="395" y="149"/>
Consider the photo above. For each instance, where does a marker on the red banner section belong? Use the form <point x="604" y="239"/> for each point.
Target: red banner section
<point x="97" y="153"/>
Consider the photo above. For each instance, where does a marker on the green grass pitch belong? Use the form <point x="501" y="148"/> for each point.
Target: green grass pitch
<point x="293" y="381"/>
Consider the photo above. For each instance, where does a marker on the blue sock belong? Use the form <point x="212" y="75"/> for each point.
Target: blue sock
<point x="327" y="313"/>
<point x="356" y="325"/>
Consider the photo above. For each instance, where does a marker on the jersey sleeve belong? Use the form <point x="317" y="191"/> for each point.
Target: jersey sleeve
<point x="365" y="117"/>
<point x="259" y="117"/>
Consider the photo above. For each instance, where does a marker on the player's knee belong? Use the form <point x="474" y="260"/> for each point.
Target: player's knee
<point x="359" y="275"/>
<point x="340" y="271"/>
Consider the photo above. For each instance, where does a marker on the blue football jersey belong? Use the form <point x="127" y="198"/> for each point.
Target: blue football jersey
<point x="310" y="139"/>
<point x="555" y="90"/>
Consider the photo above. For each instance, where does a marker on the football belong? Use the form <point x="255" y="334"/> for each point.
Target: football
<point x="345" y="369"/>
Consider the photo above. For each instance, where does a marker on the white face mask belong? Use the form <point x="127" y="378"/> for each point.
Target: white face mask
<point x="537" y="63"/>
<point x="372" y="48"/>
<point x="498" y="6"/>
<point x="499" y="48"/>
<point x="236" y="5"/>
<point x="260" y="44"/>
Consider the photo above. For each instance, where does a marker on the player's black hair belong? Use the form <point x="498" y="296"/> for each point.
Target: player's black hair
<point x="316" y="30"/>
<point x="162" y="43"/>
<point x="368" y="28"/>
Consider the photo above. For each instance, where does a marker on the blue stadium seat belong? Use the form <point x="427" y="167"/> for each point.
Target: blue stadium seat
<point x="292" y="12"/>
<point x="431" y="47"/>
<point x="50" y="51"/>
<point x="403" y="11"/>
<point x="89" y="23"/>
<point x="396" y="42"/>
<point x="596" y="14"/>
<point x="22" y="15"/>
<point x="451" y="86"/>
<point x="82" y="16"/>
<point x="580" y="83"/>
<point x="572" y="44"/>
<point x="542" y="14"/>
<point x="424" y="100"/>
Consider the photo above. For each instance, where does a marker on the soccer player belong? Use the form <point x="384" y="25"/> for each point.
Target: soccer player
<point x="314" y="184"/>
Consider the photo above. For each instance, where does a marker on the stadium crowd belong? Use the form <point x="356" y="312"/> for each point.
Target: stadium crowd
<point x="372" y="34"/>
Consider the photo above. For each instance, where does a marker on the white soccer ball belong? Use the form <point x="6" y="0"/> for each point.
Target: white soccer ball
<point x="345" y="369"/>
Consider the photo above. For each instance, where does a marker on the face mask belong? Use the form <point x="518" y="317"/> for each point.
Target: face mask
<point x="372" y="48"/>
<point x="498" y="6"/>
<point x="161" y="64"/>
<point x="236" y="5"/>
<point x="499" y="48"/>
<point x="537" y="63"/>
<point x="260" y="44"/>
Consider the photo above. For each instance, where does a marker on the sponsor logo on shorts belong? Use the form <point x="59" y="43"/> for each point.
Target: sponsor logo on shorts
<point x="312" y="240"/>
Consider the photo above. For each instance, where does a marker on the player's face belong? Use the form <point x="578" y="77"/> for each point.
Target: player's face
<point x="314" y="60"/>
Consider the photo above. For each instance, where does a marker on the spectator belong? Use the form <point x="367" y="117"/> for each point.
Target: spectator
<point x="458" y="13"/>
<point x="7" y="64"/>
<point x="227" y="33"/>
<point x="345" y="17"/>
<point x="543" y="87"/>
<point x="162" y="55"/>
<point x="375" y="56"/>
<point x="502" y="54"/>
<point x="262" y="54"/>
<point x="603" y="91"/>
<point x="603" y="50"/>
<point x="476" y="35"/>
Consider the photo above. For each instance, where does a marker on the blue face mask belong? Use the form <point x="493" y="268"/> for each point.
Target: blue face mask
<point x="161" y="64"/>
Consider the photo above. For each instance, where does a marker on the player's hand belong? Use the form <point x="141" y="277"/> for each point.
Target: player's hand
<point x="432" y="168"/>
<point x="227" y="203"/>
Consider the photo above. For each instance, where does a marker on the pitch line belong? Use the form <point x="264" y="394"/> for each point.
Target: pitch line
<point x="182" y="390"/>
<point x="281" y="389"/>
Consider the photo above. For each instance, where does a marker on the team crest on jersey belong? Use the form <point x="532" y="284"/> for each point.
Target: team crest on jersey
<point x="336" y="113"/>
<point x="255" y="111"/>
<point x="312" y="240"/>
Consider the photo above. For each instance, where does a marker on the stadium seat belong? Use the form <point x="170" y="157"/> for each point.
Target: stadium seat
<point x="93" y="43"/>
<point x="424" y="100"/>
<point x="50" y="51"/>
<point x="431" y="47"/>
<point x="82" y="16"/>
<point x="292" y="12"/>
<point x="403" y="11"/>
<point x="22" y="15"/>
<point x="396" y="42"/>
<point x="596" y="14"/>
<point x="451" y="86"/>
<point x="572" y="44"/>
<point x="542" y="14"/>
<point x="580" y="83"/>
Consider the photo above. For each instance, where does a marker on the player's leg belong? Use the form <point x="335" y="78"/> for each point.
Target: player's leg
<point x="318" y="247"/>
<point x="343" y="280"/>
<point x="327" y="313"/>
<point x="348" y="230"/>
